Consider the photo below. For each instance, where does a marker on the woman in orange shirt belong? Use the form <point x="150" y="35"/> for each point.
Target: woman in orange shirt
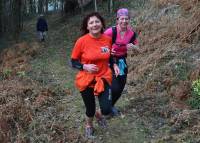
<point x="91" y="55"/>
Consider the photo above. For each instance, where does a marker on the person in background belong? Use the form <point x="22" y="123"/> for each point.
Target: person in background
<point x="123" y="38"/>
<point x="91" y="56"/>
<point x="41" y="27"/>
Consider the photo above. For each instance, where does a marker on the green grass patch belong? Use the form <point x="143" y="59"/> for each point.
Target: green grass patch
<point x="194" y="100"/>
<point x="181" y="70"/>
<point x="6" y="73"/>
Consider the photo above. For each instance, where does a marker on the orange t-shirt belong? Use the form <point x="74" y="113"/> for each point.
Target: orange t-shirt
<point x="90" y="50"/>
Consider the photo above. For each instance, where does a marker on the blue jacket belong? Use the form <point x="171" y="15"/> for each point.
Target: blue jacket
<point x="42" y="25"/>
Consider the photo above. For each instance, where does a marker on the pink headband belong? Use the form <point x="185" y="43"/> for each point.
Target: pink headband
<point x="122" y="12"/>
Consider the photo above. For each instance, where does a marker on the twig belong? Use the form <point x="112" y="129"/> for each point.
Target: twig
<point x="52" y="124"/>
<point x="191" y="32"/>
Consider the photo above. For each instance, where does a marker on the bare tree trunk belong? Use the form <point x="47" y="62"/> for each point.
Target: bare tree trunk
<point x="95" y="5"/>
<point x="40" y="6"/>
<point x="31" y="6"/>
<point x="1" y="21"/>
<point x="81" y="5"/>
<point x="55" y="5"/>
<point x="4" y="16"/>
<point x="110" y="6"/>
<point x="62" y="7"/>
<point x="34" y="7"/>
<point x="46" y="6"/>
<point x="17" y="18"/>
<point x="71" y="6"/>
<point x="11" y="22"/>
<point x="25" y="7"/>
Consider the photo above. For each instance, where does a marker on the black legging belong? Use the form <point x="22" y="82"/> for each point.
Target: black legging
<point x="118" y="84"/>
<point x="104" y="101"/>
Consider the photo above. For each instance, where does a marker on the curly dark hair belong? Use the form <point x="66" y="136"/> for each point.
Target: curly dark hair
<point x="86" y="19"/>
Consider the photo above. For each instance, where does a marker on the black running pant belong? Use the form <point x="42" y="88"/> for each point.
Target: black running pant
<point x="104" y="98"/>
<point x="118" y="84"/>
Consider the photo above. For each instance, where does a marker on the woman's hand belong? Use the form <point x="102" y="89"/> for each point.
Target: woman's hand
<point x="113" y="51"/>
<point x="134" y="48"/>
<point x="131" y="46"/>
<point x="92" y="68"/>
<point x="116" y="69"/>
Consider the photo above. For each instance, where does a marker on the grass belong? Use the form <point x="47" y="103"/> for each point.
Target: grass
<point x="181" y="71"/>
<point x="194" y="100"/>
<point x="120" y="130"/>
<point x="6" y="73"/>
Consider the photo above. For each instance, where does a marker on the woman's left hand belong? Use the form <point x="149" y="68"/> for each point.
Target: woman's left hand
<point x="134" y="48"/>
<point x="116" y="69"/>
<point x="131" y="46"/>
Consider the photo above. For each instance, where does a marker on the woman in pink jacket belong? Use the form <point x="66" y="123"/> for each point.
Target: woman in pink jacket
<point x="123" y="38"/>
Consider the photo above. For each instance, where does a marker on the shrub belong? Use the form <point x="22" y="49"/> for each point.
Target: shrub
<point x="194" y="101"/>
<point x="7" y="73"/>
<point x="21" y="73"/>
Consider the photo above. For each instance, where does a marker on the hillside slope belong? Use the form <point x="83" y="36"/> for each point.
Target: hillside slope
<point x="161" y="76"/>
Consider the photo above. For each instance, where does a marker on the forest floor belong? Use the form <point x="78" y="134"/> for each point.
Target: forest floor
<point x="39" y="103"/>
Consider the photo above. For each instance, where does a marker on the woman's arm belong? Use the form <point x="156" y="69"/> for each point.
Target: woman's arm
<point x="113" y="65"/>
<point x="87" y="67"/>
<point x="76" y="64"/>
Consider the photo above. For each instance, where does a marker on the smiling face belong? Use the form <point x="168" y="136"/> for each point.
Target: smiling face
<point x="123" y="22"/>
<point x="94" y="26"/>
